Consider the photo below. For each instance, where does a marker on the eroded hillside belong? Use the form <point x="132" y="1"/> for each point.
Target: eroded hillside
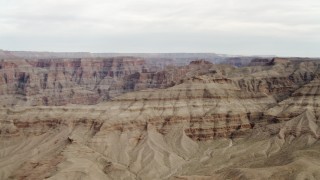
<point x="201" y="121"/>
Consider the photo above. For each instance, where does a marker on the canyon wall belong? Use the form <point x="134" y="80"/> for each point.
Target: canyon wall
<point x="74" y="81"/>
<point x="199" y="121"/>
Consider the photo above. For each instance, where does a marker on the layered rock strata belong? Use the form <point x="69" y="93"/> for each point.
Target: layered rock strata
<point x="218" y="122"/>
<point x="74" y="81"/>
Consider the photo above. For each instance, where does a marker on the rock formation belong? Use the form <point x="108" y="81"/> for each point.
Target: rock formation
<point x="199" y="121"/>
<point x="74" y="81"/>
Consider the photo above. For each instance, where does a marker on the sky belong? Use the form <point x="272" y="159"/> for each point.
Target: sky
<point x="237" y="27"/>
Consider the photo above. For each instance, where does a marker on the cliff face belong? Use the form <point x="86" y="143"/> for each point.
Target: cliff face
<point x="214" y="122"/>
<point x="86" y="81"/>
<point x="74" y="81"/>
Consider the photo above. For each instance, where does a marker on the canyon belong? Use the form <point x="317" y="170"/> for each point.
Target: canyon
<point x="153" y="117"/>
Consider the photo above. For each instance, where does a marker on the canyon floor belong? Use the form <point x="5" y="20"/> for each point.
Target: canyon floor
<point x="128" y="118"/>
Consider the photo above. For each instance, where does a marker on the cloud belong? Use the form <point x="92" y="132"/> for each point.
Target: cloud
<point x="196" y="23"/>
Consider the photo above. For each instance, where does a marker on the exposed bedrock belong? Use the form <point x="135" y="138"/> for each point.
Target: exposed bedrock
<point x="216" y="122"/>
<point x="72" y="81"/>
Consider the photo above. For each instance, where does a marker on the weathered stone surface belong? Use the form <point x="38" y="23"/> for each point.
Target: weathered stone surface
<point x="211" y="122"/>
<point x="74" y="81"/>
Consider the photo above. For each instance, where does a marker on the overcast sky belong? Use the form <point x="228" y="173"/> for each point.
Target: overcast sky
<point x="247" y="27"/>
